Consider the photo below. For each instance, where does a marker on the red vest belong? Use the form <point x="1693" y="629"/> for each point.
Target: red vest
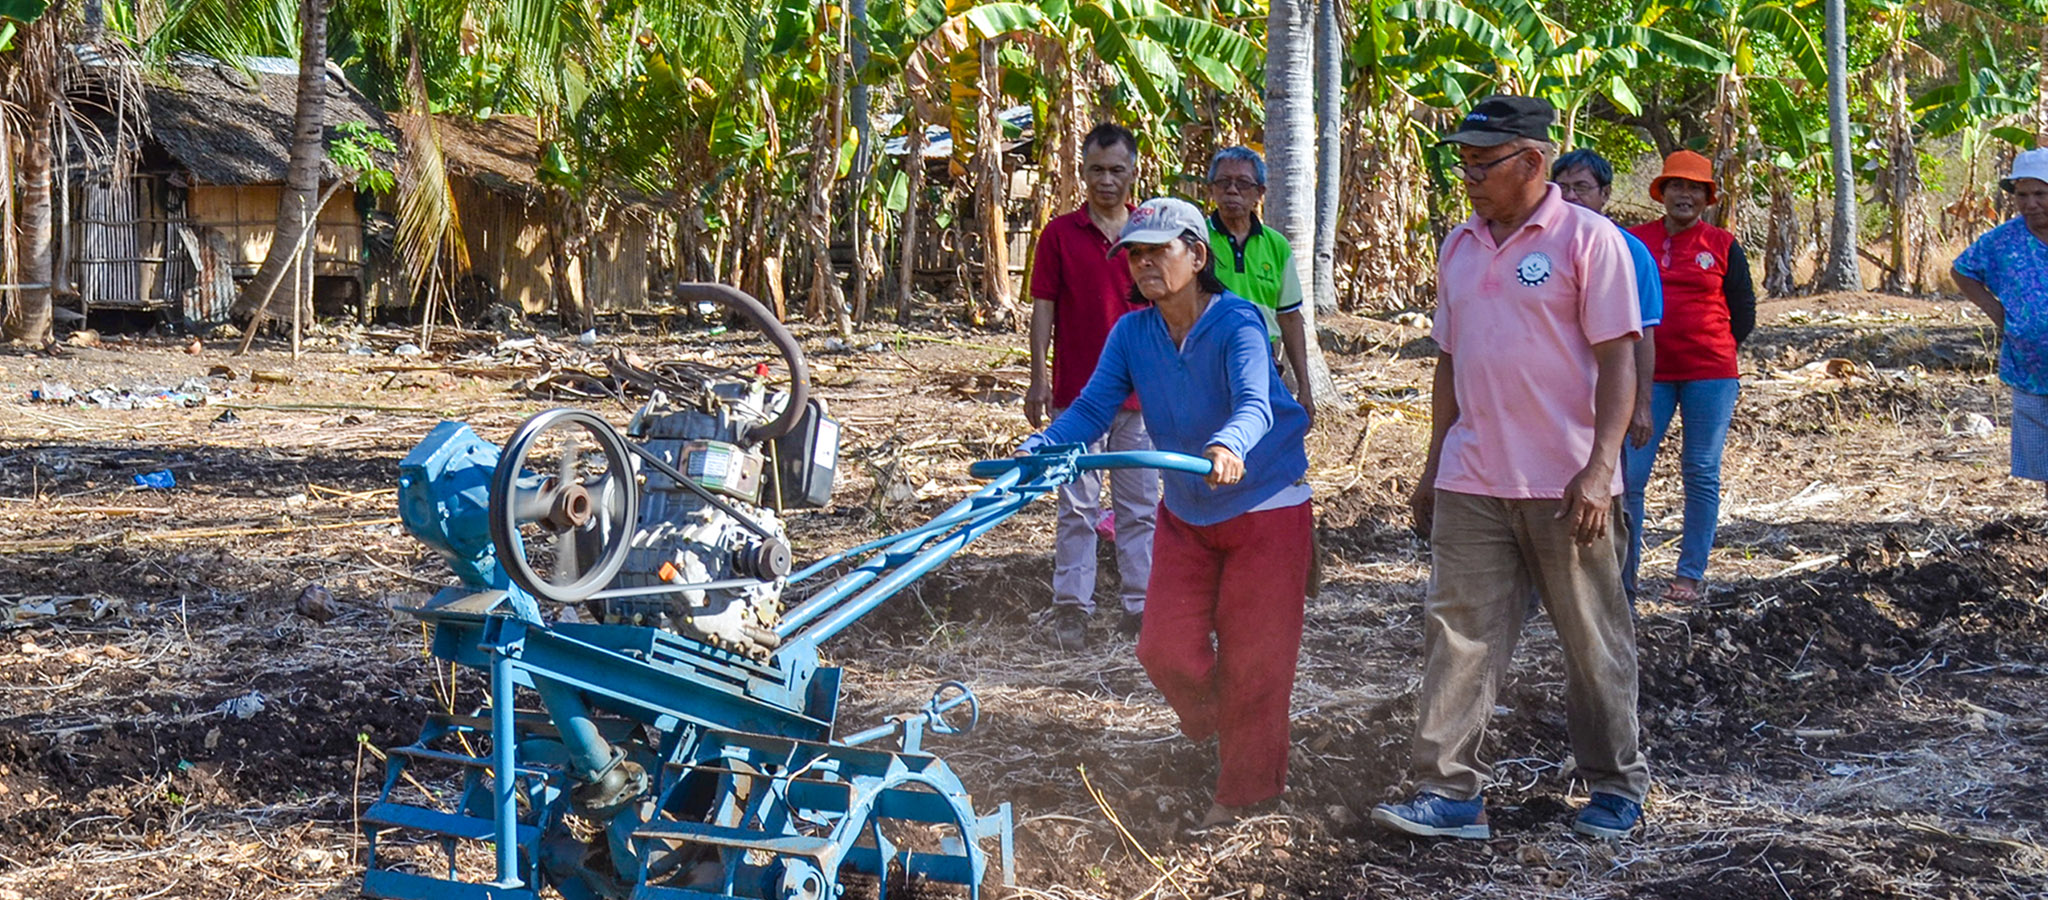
<point x="1695" y="341"/>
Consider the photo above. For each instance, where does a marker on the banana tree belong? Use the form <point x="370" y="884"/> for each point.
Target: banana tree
<point x="1156" y="65"/>
<point x="961" y="52"/>
<point x="1791" y="124"/>
<point x="1987" y="104"/>
<point x="1898" y="183"/>
<point x="1515" y="47"/>
<point x="1766" y="41"/>
<point x="2017" y="19"/>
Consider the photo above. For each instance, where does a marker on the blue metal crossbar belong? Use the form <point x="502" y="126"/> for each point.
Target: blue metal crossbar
<point x="908" y="556"/>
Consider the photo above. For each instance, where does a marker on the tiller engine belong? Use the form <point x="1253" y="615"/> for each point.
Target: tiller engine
<point x="658" y="726"/>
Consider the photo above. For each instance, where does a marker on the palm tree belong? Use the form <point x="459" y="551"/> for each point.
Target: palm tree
<point x="1329" y="152"/>
<point x="1841" y="272"/>
<point x="33" y="83"/>
<point x="290" y="254"/>
<point x="1290" y="156"/>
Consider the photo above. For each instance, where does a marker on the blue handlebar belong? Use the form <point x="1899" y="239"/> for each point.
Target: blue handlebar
<point x="1130" y="459"/>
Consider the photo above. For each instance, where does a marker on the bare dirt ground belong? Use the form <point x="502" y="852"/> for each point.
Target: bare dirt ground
<point x="1852" y="712"/>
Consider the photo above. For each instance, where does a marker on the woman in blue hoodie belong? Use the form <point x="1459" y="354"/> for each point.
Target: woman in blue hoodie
<point x="1230" y="556"/>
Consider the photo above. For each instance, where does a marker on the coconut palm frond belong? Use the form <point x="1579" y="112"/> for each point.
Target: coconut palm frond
<point x="227" y="30"/>
<point x="429" y="225"/>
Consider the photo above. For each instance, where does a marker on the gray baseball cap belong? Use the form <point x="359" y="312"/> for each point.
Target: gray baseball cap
<point x="1159" y="221"/>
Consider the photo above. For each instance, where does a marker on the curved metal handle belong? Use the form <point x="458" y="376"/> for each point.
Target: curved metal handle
<point x="1129" y="459"/>
<point x="792" y="353"/>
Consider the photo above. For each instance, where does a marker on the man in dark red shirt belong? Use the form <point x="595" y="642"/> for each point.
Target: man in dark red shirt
<point x="1077" y="294"/>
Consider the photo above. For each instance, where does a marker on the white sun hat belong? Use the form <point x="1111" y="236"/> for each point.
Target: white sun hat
<point x="2028" y="164"/>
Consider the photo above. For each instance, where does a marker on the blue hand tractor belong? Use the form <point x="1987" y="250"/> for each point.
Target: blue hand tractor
<point x="658" y="725"/>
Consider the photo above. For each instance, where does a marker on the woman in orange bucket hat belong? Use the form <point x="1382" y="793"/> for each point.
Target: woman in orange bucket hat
<point x="1709" y="308"/>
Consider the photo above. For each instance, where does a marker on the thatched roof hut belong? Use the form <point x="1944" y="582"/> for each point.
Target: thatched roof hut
<point x="226" y="125"/>
<point x="173" y="222"/>
<point x="500" y="154"/>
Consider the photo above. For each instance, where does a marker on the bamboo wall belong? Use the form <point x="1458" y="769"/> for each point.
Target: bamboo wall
<point x="616" y="279"/>
<point x="247" y="216"/>
<point x="508" y="246"/>
<point x="508" y="243"/>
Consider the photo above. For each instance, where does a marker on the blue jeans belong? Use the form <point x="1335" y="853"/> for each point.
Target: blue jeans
<point x="1706" y="407"/>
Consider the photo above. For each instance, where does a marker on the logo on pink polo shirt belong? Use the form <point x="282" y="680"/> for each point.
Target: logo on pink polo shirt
<point x="1534" y="269"/>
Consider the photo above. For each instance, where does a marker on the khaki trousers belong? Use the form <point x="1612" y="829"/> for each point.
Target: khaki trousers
<point x="1489" y="553"/>
<point x="1134" y="494"/>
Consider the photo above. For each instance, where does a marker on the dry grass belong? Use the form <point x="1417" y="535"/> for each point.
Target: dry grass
<point x="1901" y="760"/>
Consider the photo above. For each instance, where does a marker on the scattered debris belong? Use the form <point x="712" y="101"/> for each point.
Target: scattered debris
<point x="20" y="611"/>
<point x="267" y="376"/>
<point x="1976" y="425"/>
<point x="53" y="392"/>
<point x="246" y="706"/>
<point x="161" y="479"/>
<point x="189" y="393"/>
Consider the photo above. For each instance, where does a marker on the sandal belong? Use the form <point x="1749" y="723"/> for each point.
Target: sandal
<point x="1678" y="593"/>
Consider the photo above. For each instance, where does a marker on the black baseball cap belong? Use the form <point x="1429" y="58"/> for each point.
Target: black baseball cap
<point x="1502" y="118"/>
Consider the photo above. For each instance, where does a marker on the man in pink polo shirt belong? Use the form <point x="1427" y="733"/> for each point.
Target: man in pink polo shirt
<point x="1077" y="294"/>
<point x="1537" y="322"/>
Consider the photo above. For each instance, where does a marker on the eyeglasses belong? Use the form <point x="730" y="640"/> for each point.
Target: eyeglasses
<point x="1580" y="188"/>
<point x="1240" y="185"/>
<point x="1475" y="174"/>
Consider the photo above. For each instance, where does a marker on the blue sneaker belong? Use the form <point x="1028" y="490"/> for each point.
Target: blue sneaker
<point x="1434" y="815"/>
<point x="1608" y="816"/>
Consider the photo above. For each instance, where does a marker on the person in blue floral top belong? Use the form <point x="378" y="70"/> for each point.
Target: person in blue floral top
<point x="2005" y="273"/>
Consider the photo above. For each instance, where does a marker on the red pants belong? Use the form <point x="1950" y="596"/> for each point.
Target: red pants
<point x="1222" y="632"/>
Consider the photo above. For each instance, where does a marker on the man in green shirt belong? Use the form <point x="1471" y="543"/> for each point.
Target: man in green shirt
<point x="1254" y="261"/>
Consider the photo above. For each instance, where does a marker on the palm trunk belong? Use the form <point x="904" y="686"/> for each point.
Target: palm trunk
<point x="1048" y="197"/>
<point x="31" y="319"/>
<point x="1841" y="273"/>
<point x="1329" y="153"/>
<point x="774" y="256"/>
<point x="1290" y="143"/>
<point x="863" y="165"/>
<point x="913" y="161"/>
<point x="998" y="301"/>
<point x="1058" y="184"/>
<point x="295" y="206"/>
<point x="1066" y="160"/>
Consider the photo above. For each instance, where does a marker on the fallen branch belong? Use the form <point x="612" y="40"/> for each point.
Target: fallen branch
<point x="328" y="407"/>
<point x="116" y="537"/>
